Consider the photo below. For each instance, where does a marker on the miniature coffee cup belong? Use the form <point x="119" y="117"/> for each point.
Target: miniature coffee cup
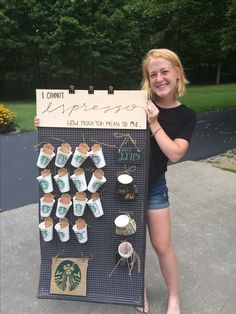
<point x="46" y="154"/>
<point x="95" y="205"/>
<point x="46" y="229"/>
<point x="125" y="225"/>
<point x="63" y="154"/>
<point x="80" y="230"/>
<point x="63" y="205"/>
<point x="80" y="155"/>
<point x="125" y="188"/>
<point x="45" y="181"/>
<point x="96" y="181"/>
<point x="62" y="180"/>
<point x="79" y="203"/>
<point x="79" y="180"/>
<point x="46" y="205"/>
<point x="62" y="229"/>
<point x="125" y="249"/>
<point x="97" y="156"/>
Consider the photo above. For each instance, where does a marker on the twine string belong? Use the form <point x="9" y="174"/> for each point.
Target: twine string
<point x="126" y="138"/>
<point x="127" y="170"/>
<point x="134" y="258"/>
<point x="102" y="143"/>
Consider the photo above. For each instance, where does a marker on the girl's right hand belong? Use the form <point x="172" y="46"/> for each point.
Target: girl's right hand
<point x="36" y="122"/>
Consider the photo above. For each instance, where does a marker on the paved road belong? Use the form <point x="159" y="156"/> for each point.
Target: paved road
<point x="215" y="133"/>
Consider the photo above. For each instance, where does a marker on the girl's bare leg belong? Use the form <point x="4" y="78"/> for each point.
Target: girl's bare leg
<point x="160" y="236"/>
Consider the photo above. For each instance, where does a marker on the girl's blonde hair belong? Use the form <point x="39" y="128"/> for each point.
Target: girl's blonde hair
<point x="174" y="60"/>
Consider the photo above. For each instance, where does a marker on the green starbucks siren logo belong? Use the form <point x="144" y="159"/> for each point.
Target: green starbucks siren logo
<point x="62" y="210"/>
<point x="61" y="159"/>
<point x="45" y="209"/>
<point x="78" y="184"/>
<point x="61" y="184"/>
<point x="67" y="275"/>
<point x="44" y="160"/>
<point x="96" y="159"/>
<point x="44" y="184"/>
<point x="79" y="159"/>
<point x="96" y="186"/>
<point x="78" y="209"/>
<point x="93" y="208"/>
<point x="44" y="233"/>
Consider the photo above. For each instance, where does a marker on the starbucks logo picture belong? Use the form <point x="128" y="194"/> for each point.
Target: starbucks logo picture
<point x="44" y="160"/>
<point x="61" y="184"/>
<point x="44" y="184"/>
<point x="78" y="184"/>
<point x="44" y="233"/>
<point x="81" y="235"/>
<point x="96" y="186"/>
<point x="61" y="234"/>
<point x="61" y="159"/>
<point x="79" y="159"/>
<point x="62" y="210"/>
<point x="67" y="276"/>
<point x="93" y="208"/>
<point x="78" y="209"/>
<point x="45" y="209"/>
<point x="96" y="159"/>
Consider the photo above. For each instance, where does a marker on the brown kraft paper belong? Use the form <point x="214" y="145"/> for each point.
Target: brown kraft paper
<point x="69" y="276"/>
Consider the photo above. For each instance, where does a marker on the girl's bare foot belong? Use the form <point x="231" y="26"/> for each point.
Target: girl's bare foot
<point x="144" y="309"/>
<point x="173" y="306"/>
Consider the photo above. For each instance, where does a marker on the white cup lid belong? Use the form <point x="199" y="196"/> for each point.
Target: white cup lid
<point x="121" y="221"/>
<point x="125" y="179"/>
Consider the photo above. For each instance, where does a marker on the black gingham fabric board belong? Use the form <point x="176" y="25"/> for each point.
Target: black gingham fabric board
<point x="102" y="244"/>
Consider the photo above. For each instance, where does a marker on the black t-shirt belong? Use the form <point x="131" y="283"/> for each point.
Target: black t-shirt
<point x="177" y="122"/>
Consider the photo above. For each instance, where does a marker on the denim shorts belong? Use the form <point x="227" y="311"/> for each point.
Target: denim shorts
<point x="158" y="194"/>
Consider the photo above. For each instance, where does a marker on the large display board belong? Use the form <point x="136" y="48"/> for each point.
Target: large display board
<point x="118" y="123"/>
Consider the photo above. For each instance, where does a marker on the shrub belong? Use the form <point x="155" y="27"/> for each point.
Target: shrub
<point x="7" y="120"/>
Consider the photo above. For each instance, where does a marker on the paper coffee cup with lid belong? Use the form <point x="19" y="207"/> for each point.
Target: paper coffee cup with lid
<point x="79" y="179"/>
<point x="125" y="249"/>
<point x="46" y="154"/>
<point x="45" y="181"/>
<point x="80" y="230"/>
<point x="96" y="154"/>
<point x="62" y="229"/>
<point x="95" y="205"/>
<point x="62" y="180"/>
<point x="79" y="203"/>
<point x="63" y="205"/>
<point x="63" y="154"/>
<point x="46" y="229"/>
<point x="46" y="204"/>
<point x="96" y="181"/>
<point x="80" y="155"/>
<point x="125" y="225"/>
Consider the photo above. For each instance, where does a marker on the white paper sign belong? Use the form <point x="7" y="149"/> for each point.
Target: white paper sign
<point x="121" y="110"/>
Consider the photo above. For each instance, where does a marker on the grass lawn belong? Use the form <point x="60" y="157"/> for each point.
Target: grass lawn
<point x="25" y="110"/>
<point x="199" y="98"/>
<point x="209" y="98"/>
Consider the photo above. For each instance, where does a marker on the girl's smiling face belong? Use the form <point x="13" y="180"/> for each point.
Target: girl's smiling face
<point x="163" y="77"/>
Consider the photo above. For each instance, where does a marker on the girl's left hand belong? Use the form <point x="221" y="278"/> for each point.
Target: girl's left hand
<point x="152" y="112"/>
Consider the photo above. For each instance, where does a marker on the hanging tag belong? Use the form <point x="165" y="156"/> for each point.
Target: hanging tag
<point x="127" y="155"/>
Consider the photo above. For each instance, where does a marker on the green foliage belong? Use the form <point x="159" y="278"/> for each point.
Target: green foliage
<point x="210" y="97"/>
<point x="26" y="111"/>
<point x="7" y="120"/>
<point x="228" y="36"/>
<point x="53" y="43"/>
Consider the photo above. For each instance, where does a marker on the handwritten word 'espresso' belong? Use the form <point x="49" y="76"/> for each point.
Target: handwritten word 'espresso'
<point x="84" y="107"/>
